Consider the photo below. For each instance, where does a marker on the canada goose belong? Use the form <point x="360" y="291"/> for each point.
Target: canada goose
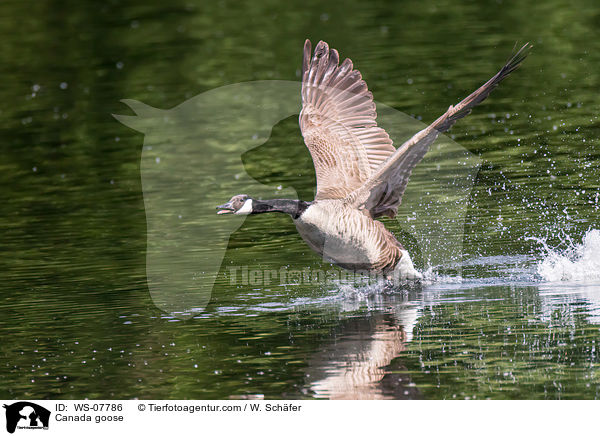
<point x="360" y="175"/>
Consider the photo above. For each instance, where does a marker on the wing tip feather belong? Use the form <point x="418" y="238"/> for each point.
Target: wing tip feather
<point x="306" y="57"/>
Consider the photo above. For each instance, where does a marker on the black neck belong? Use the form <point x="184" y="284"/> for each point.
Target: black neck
<point x="294" y="208"/>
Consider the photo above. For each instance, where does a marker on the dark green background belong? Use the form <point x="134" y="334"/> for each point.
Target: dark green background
<point x="77" y="319"/>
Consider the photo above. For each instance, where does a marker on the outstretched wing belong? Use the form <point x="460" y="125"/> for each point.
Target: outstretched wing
<point x="382" y="193"/>
<point x="338" y="123"/>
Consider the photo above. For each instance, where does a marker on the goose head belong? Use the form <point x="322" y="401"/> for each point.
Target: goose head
<point x="238" y="205"/>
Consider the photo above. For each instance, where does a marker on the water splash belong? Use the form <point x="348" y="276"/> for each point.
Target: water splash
<point x="433" y="276"/>
<point x="578" y="262"/>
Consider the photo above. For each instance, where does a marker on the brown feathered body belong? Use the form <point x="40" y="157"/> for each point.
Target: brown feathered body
<point x="360" y="174"/>
<point x="348" y="237"/>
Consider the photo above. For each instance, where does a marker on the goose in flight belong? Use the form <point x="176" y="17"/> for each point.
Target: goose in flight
<point x="361" y="176"/>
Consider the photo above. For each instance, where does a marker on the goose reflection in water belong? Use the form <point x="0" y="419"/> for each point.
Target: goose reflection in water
<point x="358" y="363"/>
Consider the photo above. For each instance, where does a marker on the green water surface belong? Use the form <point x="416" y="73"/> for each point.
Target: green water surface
<point x="78" y="319"/>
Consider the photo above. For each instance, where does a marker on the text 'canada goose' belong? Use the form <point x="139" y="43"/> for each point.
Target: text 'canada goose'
<point x="361" y="176"/>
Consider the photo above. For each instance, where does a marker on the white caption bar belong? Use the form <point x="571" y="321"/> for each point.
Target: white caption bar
<point x="150" y="417"/>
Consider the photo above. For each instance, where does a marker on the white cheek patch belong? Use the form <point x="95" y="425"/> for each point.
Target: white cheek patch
<point x="246" y="209"/>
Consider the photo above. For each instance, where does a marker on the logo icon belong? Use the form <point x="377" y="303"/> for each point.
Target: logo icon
<point x="26" y="415"/>
<point x="194" y="152"/>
